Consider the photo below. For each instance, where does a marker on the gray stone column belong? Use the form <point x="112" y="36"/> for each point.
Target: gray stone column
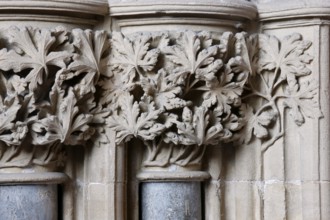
<point x="171" y="200"/>
<point x="30" y="196"/>
<point x="171" y="195"/>
<point x="29" y="202"/>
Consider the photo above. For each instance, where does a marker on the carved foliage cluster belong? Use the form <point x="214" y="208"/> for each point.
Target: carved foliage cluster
<point x="176" y="92"/>
<point x="279" y="81"/>
<point x="182" y="91"/>
<point x="48" y="80"/>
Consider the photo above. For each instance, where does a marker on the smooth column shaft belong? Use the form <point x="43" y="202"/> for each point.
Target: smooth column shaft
<point x="28" y="202"/>
<point x="171" y="200"/>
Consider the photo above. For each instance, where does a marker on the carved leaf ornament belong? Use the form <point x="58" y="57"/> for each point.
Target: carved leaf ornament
<point x="178" y="92"/>
<point x="47" y="94"/>
<point x="281" y="81"/>
<point x="188" y="90"/>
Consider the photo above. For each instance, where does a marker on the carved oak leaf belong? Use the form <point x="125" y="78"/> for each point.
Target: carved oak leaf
<point x="134" y="119"/>
<point x="198" y="128"/>
<point x="223" y="92"/>
<point x="288" y="56"/>
<point x="164" y="91"/>
<point x="192" y="59"/>
<point x="68" y="126"/>
<point x="32" y="51"/>
<point x="256" y="124"/>
<point x="132" y="56"/>
<point x="301" y="100"/>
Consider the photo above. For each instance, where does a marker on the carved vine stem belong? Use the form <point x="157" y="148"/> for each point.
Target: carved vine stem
<point x="282" y="69"/>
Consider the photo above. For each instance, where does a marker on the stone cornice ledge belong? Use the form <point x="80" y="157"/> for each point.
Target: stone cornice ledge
<point x="234" y="9"/>
<point x="91" y="7"/>
<point x="294" y="9"/>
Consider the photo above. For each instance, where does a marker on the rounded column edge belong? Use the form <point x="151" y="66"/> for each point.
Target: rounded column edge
<point x="163" y="176"/>
<point x="33" y="178"/>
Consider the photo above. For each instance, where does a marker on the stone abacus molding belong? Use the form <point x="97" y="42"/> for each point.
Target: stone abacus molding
<point x="177" y="92"/>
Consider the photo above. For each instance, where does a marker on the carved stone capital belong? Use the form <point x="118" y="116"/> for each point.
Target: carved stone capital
<point x="47" y="94"/>
<point x="177" y="92"/>
<point x="181" y="91"/>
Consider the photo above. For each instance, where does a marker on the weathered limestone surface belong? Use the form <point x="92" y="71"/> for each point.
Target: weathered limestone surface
<point x="171" y="200"/>
<point x="234" y="94"/>
<point x="34" y="202"/>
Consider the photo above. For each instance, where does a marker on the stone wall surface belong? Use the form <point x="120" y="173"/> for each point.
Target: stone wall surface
<point x="159" y="105"/>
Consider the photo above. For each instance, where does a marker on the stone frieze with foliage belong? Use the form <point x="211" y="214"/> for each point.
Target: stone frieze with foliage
<point x="179" y="92"/>
<point x="47" y="94"/>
